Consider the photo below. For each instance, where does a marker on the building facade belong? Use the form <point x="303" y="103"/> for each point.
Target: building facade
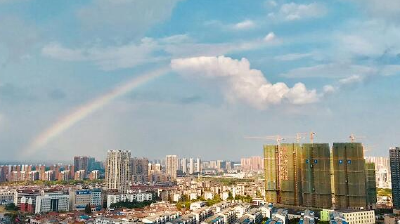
<point x="118" y="170"/>
<point x="52" y="202"/>
<point x="139" y="170"/>
<point x="171" y="166"/>
<point x="394" y="155"/>
<point x="349" y="175"/>
<point x="315" y="175"/>
<point x="282" y="174"/>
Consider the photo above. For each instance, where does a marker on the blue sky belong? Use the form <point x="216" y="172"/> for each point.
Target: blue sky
<point x="235" y="68"/>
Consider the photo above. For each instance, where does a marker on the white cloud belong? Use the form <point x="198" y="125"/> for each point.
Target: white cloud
<point x="242" y="83"/>
<point x="292" y="11"/>
<point x="389" y="70"/>
<point x="329" y="89"/>
<point x="136" y="53"/>
<point x="18" y="37"/>
<point x="269" y="37"/>
<point x="292" y="57"/>
<point x="107" y="58"/>
<point x="333" y="70"/>
<point x="271" y="3"/>
<point x="352" y="80"/>
<point x="244" y="25"/>
<point x="121" y="19"/>
<point x="386" y="9"/>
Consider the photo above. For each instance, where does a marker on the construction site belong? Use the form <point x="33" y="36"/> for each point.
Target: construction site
<point x="316" y="175"/>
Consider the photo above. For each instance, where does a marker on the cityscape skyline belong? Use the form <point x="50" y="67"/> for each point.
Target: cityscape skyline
<point x="151" y="77"/>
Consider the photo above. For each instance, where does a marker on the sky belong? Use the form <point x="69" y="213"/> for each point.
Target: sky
<point x="194" y="78"/>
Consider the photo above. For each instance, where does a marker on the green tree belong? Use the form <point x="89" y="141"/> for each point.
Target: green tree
<point x="230" y="196"/>
<point x="11" y="207"/>
<point x="88" y="209"/>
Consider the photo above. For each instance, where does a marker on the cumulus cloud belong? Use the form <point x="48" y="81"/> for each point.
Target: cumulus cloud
<point x="244" y="25"/>
<point x="292" y="11"/>
<point x="241" y="83"/>
<point x="269" y="37"/>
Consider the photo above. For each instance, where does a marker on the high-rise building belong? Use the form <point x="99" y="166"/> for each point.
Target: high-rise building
<point x="370" y="185"/>
<point x="382" y="171"/>
<point x="254" y="163"/>
<point x="118" y="170"/>
<point x="171" y="166"/>
<point x="184" y="165"/>
<point x="139" y="169"/>
<point x="394" y="154"/>
<point x="349" y="175"/>
<point x="191" y="166"/>
<point x="198" y="165"/>
<point x="315" y="175"/>
<point x="82" y="163"/>
<point x="282" y="174"/>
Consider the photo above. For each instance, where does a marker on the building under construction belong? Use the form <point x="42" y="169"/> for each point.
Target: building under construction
<point x="349" y="175"/>
<point x="310" y="174"/>
<point x="371" y="185"/>
<point x="283" y="174"/>
<point x="315" y="175"/>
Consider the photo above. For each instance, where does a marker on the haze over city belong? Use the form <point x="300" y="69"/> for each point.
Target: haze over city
<point x="193" y="78"/>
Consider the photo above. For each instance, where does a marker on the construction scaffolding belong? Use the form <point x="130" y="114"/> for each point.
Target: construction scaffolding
<point x="315" y="175"/>
<point x="270" y="170"/>
<point x="282" y="174"/>
<point x="349" y="175"/>
<point x="371" y="185"/>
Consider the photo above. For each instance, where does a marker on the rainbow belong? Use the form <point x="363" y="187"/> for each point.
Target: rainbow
<point x="66" y="122"/>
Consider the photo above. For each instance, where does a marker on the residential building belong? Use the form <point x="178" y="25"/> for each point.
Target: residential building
<point x="191" y="166"/>
<point x="184" y="165"/>
<point x="198" y="165"/>
<point x="7" y="196"/>
<point x="171" y="166"/>
<point x="140" y="197"/>
<point x="139" y="170"/>
<point x="349" y="175"/>
<point x="371" y="191"/>
<point x="394" y="155"/>
<point x="282" y="176"/>
<point x="118" y="170"/>
<point x="315" y="175"/>
<point x="82" y="163"/>
<point x="382" y="170"/>
<point x="254" y="163"/>
<point x="94" y="175"/>
<point x="355" y="216"/>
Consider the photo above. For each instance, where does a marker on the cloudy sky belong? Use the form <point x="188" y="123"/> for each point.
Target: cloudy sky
<point x="192" y="77"/>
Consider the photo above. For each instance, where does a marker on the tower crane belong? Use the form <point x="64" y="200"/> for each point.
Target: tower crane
<point x="277" y="138"/>
<point x="353" y="137"/>
<point x="299" y="136"/>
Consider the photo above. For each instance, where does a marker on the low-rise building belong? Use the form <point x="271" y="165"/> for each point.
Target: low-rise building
<point x="139" y="197"/>
<point x="52" y="202"/>
<point x="81" y="198"/>
<point x="7" y="196"/>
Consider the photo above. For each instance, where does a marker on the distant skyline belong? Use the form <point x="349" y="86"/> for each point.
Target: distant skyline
<point x="79" y="78"/>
